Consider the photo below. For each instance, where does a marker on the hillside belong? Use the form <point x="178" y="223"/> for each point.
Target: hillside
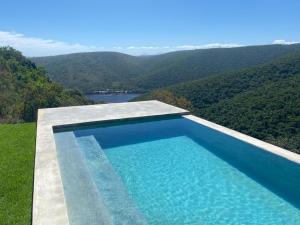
<point x="101" y="70"/>
<point x="262" y="101"/>
<point x="92" y="71"/>
<point x="24" y="88"/>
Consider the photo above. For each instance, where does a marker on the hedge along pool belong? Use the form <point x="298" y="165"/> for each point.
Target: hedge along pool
<point x="172" y="170"/>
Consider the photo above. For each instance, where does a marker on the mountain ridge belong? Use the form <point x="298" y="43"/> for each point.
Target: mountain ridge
<point x="94" y="71"/>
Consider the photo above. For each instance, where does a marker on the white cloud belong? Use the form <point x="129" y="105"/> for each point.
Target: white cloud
<point x="212" y="45"/>
<point x="31" y="46"/>
<point x="284" y="42"/>
<point x="136" y="50"/>
<point x="181" y="47"/>
<point x="118" y="47"/>
<point x="150" y="47"/>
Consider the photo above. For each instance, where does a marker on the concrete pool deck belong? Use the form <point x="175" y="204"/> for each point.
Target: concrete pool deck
<point x="49" y="205"/>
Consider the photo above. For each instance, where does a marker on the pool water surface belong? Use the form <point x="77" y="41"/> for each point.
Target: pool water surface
<point x="173" y="171"/>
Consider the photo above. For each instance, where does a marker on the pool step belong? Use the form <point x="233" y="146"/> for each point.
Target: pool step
<point x="120" y="205"/>
<point x="84" y="202"/>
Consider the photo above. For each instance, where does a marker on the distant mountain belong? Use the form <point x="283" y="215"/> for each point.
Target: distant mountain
<point x="262" y="101"/>
<point x="102" y="70"/>
<point x="24" y="88"/>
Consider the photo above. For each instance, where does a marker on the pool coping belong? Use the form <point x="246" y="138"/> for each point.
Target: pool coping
<point x="49" y="205"/>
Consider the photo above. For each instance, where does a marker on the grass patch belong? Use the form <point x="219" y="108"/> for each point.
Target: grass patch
<point x="17" y="148"/>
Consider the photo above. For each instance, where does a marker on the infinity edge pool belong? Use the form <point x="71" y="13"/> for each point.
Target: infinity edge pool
<point x="49" y="205"/>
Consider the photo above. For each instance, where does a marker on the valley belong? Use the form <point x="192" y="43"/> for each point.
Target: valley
<point x="89" y="72"/>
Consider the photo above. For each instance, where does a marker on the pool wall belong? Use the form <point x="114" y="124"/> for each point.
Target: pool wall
<point x="49" y="206"/>
<point x="270" y="168"/>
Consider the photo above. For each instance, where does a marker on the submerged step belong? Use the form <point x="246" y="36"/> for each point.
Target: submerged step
<point x="120" y="205"/>
<point x="84" y="202"/>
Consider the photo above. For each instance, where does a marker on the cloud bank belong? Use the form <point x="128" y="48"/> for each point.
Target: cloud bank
<point x="32" y="46"/>
<point x="212" y="45"/>
<point x="284" y="42"/>
<point x="137" y="50"/>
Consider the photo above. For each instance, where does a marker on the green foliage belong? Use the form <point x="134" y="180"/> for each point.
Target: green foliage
<point x="170" y="98"/>
<point x="270" y="112"/>
<point x="24" y="88"/>
<point x="202" y="93"/>
<point x="92" y="71"/>
<point x="101" y="70"/>
<point x="262" y="101"/>
<point x="17" y="144"/>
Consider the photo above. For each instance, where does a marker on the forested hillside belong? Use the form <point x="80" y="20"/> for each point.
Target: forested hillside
<point x="92" y="71"/>
<point x="24" y="88"/>
<point x="262" y="101"/>
<point x="102" y="70"/>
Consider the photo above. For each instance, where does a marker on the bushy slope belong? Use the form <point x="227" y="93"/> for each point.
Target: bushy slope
<point x="177" y="67"/>
<point x="270" y="112"/>
<point x="92" y="71"/>
<point x="204" y="92"/>
<point x="24" y="88"/>
<point x="101" y="70"/>
<point x="261" y="101"/>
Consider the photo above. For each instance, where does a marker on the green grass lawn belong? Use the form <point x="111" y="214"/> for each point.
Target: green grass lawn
<point x="17" y="148"/>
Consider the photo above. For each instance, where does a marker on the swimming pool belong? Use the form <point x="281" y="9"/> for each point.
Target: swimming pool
<point x="172" y="170"/>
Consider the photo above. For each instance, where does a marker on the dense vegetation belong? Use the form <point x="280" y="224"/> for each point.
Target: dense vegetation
<point x="17" y="144"/>
<point x="24" y="88"/>
<point x="101" y="70"/>
<point x="262" y="101"/>
<point x="92" y="71"/>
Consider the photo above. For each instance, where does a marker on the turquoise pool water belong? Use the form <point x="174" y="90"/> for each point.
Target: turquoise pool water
<point x="173" y="172"/>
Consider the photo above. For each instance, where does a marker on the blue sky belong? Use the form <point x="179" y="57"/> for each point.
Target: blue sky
<point x="145" y="27"/>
